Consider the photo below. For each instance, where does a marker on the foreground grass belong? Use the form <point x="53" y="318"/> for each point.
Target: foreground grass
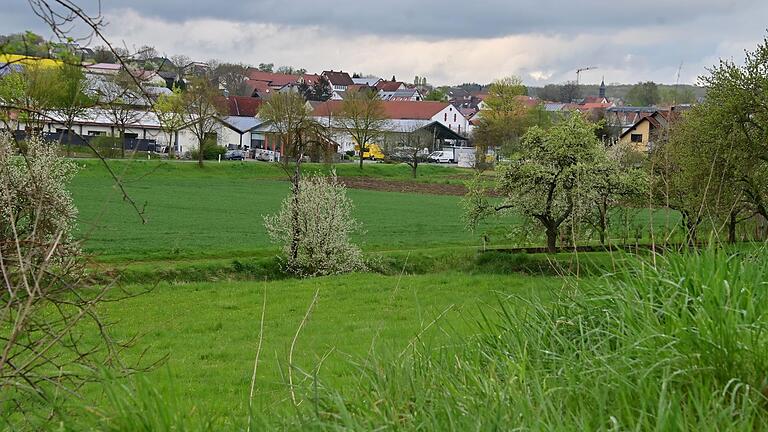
<point x="680" y="345"/>
<point x="209" y="331"/>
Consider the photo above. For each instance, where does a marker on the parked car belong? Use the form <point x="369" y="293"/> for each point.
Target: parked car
<point x="234" y="155"/>
<point x="440" y="157"/>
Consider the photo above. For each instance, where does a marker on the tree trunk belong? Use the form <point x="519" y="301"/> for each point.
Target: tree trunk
<point x="551" y="239"/>
<point x="362" y="151"/>
<point x="603" y="225"/>
<point x="122" y="142"/>
<point x="690" y="233"/>
<point x="295" y="228"/>
<point x="200" y="152"/>
<point x="732" y="221"/>
<point x="413" y="169"/>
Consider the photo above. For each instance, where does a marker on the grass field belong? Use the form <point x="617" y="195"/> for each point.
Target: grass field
<point x="200" y="220"/>
<point x="210" y="330"/>
<point x="217" y="211"/>
<point x="203" y="263"/>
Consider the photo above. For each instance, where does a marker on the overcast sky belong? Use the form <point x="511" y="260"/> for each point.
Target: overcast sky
<point x="448" y="41"/>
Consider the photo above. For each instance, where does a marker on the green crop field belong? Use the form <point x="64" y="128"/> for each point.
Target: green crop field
<point x="217" y="211"/>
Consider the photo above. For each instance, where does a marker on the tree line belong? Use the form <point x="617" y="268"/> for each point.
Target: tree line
<point x="706" y="170"/>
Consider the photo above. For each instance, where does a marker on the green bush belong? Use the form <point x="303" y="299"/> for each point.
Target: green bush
<point x="107" y="146"/>
<point x="210" y="152"/>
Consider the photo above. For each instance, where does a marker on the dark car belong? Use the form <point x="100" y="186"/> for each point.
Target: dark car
<point x="234" y="155"/>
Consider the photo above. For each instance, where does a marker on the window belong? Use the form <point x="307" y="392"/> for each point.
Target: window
<point x="130" y="135"/>
<point x="445" y="117"/>
<point x="636" y="138"/>
<point x="454" y="117"/>
<point x="96" y="133"/>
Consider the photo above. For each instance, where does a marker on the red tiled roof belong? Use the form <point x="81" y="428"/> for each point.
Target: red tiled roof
<point x="528" y="101"/>
<point x="393" y="110"/>
<point x="338" y="78"/>
<point x="279" y="80"/>
<point x="262" y="87"/>
<point x="243" y="106"/>
<point x="594" y="105"/>
<point x="388" y="86"/>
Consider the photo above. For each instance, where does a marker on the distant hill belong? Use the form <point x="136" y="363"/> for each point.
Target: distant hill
<point x="621" y="90"/>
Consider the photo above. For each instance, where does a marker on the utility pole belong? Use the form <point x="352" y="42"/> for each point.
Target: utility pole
<point x="580" y="70"/>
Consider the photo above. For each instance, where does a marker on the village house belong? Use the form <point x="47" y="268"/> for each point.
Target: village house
<point x="403" y="116"/>
<point x="646" y="129"/>
<point x="260" y="83"/>
<point x="368" y="81"/>
<point x="339" y="80"/>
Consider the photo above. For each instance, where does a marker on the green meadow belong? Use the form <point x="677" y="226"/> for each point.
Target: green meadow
<point x="438" y="335"/>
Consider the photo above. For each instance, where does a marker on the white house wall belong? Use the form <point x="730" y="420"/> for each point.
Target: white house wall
<point x="453" y="119"/>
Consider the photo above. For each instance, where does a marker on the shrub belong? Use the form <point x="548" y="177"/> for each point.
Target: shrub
<point x="107" y="146"/>
<point x="313" y="227"/>
<point x="43" y="354"/>
<point x="210" y="152"/>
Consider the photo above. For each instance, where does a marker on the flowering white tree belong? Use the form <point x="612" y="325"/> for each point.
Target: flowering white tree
<point x="44" y="292"/>
<point x="321" y="214"/>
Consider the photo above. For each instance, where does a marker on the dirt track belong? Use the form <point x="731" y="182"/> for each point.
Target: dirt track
<point x="403" y="186"/>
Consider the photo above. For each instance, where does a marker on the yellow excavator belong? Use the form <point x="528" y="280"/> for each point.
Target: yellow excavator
<point x="372" y="152"/>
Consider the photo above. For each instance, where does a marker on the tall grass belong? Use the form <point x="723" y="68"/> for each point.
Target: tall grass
<point x="681" y="345"/>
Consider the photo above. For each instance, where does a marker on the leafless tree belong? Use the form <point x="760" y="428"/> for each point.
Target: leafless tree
<point x="410" y="146"/>
<point x="362" y="116"/>
<point x="202" y="109"/>
<point x="118" y="97"/>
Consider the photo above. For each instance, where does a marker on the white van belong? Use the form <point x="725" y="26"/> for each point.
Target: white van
<point x="441" y="157"/>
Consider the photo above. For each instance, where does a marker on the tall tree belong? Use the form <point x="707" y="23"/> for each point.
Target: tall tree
<point x="102" y="54"/>
<point x="569" y="92"/>
<point x="548" y="180"/>
<point x="170" y="112"/>
<point x="504" y="119"/>
<point x="362" y="116"/>
<point x="231" y="77"/>
<point x="643" y="94"/>
<point x="714" y="164"/>
<point x="550" y="92"/>
<point x="410" y="146"/>
<point x="26" y="96"/>
<point x="266" y="67"/>
<point x="321" y="89"/>
<point x="202" y="108"/>
<point x="70" y="98"/>
<point x="299" y="134"/>
<point x="437" y="94"/>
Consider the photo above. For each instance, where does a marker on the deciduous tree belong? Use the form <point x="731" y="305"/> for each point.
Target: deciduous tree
<point x="362" y="116"/>
<point x="299" y="134"/>
<point x="202" y="108"/>
<point x="643" y="94"/>
<point x="552" y="174"/>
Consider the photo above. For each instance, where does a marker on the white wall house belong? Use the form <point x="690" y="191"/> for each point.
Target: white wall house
<point x="403" y="116"/>
<point x="144" y="125"/>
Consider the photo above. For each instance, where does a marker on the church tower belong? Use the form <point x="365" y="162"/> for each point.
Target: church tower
<point x="602" y="88"/>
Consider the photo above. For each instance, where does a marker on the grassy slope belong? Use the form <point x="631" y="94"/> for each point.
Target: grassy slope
<point x="210" y="330"/>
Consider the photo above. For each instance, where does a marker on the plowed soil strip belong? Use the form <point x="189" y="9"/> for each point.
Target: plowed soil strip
<point x="403" y="186"/>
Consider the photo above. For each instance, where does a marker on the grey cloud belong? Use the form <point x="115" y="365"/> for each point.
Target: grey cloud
<point x="438" y="18"/>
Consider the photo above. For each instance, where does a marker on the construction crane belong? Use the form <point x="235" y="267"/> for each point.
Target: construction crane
<point x="580" y="70"/>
